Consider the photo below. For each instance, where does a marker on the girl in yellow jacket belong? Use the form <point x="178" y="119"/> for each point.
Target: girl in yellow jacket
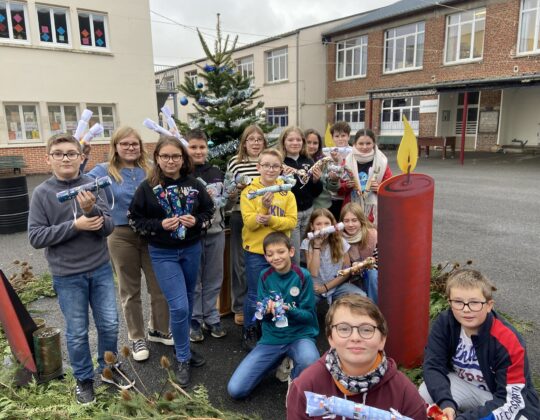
<point x="263" y="214"/>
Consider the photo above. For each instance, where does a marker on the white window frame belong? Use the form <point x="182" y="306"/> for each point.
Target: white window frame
<point x="536" y="39"/>
<point x="346" y="112"/>
<point x="99" y="117"/>
<point x="92" y="35"/>
<point x="245" y="66"/>
<point x="459" y="25"/>
<point x="345" y="51"/>
<point x="274" y="59"/>
<point x="472" y="126"/>
<point x="192" y="75"/>
<point x="9" y="24"/>
<point x="63" y="127"/>
<point x="396" y="127"/>
<point x="23" y="122"/>
<point x="52" y="10"/>
<point x="391" y="37"/>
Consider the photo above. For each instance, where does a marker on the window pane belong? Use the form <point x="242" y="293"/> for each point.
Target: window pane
<point x="44" y="22"/>
<point x="340" y="68"/>
<point x="451" y="43"/>
<point x="60" y="24"/>
<point x="479" y="38"/>
<point x="14" y="123"/>
<point x="526" y="37"/>
<point x="30" y="122"/>
<point x="409" y="51"/>
<point x="99" y="32"/>
<point x="465" y="41"/>
<point x="420" y="50"/>
<point x="55" y="119"/>
<point x="18" y="22"/>
<point x="107" y="120"/>
<point x="472" y="114"/>
<point x="356" y="65"/>
<point x="396" y="115"/>
<point x="386" y="115"/>
<point x="4" y="30"/>
<point x="348" y="63"/>
<point x="84" y="27"/>
<point x="389" y="55"/>
<point x="364" y="60"/>
<point x="400" y="47"/>
<point x="276" y="69"/>
<point x="70" y="116"/>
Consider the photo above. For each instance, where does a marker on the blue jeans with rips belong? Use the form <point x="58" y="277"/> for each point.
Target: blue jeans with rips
<point x="75" y="293"/>
<point x="371" y="284"/>
<point x="255" y="263"/>
<point x="265" y="357"/>
<point x="176" y="271"/>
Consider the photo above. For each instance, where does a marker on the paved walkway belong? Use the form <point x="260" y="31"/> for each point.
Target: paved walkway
<point x="486" y="211"/>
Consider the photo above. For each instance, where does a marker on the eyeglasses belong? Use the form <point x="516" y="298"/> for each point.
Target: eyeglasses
<point x="267" y="166"/>
<point x="127" y="146"/>
<point x="474" y="306"/>
<point x="174" y="158"/>
<point x="255" y="140"/>
<point x="60" y="155"/>
<point x="366" y="331"/>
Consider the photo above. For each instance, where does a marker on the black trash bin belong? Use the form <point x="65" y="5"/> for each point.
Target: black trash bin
<point x="13" y="204"/>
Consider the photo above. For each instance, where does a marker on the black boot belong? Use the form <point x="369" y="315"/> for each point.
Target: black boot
<point x="250" y="338"/>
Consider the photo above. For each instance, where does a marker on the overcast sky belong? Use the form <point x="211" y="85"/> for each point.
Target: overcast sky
<point x="174" y="35"/>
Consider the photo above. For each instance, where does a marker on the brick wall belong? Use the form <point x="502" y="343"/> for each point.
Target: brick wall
<point x="34" y="157"/>
<point x="489" y="100"/>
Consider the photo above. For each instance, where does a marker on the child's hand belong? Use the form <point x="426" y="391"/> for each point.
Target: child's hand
<point x="270" y="307"/>
<point x="374" y="186"/>
<point x="263" y="219"/>
<point x="332" y="176"/>
<point x="351" y="184"/>
<point x="318" y="241"/>
<point x="187" y="220"/>
<point x="334" y="154"/>
<point x="86" y="200"/>
<point x="89" y="223"/>
<point x="287" y="170"/>
<point x="450" y="413"/>
<point x="317" y="173"/>
<point x="170" y="223"/>
<point x="267" y="199"/>
<point x="319" y="289"/>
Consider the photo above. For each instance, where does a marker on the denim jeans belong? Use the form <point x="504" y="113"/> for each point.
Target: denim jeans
<point x="298" y="233"/>
<point x="341" y="290"/>
<point x="265" y="357"/>
<point x="371" y="284"/>
<point x="176" y="271"/>
<point x="75" y="292"/>
<point x="255" y="263"/>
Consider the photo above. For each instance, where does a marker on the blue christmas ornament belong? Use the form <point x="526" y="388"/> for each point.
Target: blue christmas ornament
<point x="208" y="68"/>
<point x="210" y="143"/>
<point x="183" y="101"/>
<point x="202" y="101"/>
<point x="199" y="85"/>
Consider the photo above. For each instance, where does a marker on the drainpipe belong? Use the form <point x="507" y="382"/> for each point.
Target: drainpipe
<point x="370" y="125"/>
<point x="297" y="78"/>
<point x="464" y="126"/>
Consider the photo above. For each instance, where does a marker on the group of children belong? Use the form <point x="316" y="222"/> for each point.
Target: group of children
<point x="169" y="215"/>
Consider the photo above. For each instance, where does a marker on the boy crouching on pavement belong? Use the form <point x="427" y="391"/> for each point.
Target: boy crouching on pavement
<point x="295" y="340"/>
<point x="73" y="234"/>
<point x="475" y="363"/>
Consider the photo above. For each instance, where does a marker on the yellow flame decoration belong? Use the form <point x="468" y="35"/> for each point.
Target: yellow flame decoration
<point x="328" y="140"/>
<point x="407" y="154"/>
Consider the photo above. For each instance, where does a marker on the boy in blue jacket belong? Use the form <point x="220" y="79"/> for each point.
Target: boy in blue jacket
<point x="74" y="235"/>
<point x="475" y="363"/>
<point x="297" y="338"/>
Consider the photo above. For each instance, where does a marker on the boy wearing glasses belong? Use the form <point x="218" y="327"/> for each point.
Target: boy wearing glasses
<point x="74" y="235"/>
<point x="295" y="337"/>
<point x="475" y="363"/>
<point x="264" y="214"/>
<point x="356" y="367"/>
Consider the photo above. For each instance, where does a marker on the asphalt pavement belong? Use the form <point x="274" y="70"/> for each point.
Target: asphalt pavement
<point x="485" y="211"/>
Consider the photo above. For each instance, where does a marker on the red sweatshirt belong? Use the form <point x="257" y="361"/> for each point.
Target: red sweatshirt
<point x="394" y="391"/>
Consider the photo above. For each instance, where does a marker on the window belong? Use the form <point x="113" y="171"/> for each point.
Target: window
<point x="465" y="35"/>
<point x="53" y="25"/>
<point x="92" y="27"/>
<point x="529" y="26"/>
<point x="13" y="20"/>
<point x="278" y="116"/>
<point x="472" y="113"/>
<point x="63" y="119"/>
<point x="103" y="114"/>
<point x="351" y="58"/>
<point x="394" y="109"/>
<point x="22" y="122"/>
<point x="276" y="65"/>
<point x="404" y="47"/>
<point x="245" y="66"/>
<point x="192" y="75"/>
<point x="352" y="112"/>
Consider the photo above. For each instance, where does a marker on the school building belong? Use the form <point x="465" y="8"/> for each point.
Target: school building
<point x="436" y="61"/>
<point x="58" y="58"/>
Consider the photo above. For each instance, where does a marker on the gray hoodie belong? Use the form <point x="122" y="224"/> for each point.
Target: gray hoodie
<point x="50" y="226"/>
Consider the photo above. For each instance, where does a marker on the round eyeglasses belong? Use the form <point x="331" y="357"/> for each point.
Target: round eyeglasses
<point x="60" y="155"/>
<point x="344" y="330"/>
<point x="474" y="306"/>
<point x="174" y="158"/>
<point x="127" y="146"/>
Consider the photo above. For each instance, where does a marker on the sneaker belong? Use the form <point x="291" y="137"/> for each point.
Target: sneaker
<point x="239" y="319"/>
<point x="113" y="377"/>
<point x="84" y="392"/>
<point x="196" y="335"/>
<point x="250" y="338"/>
<point x="197" y="359"/>
<point x="283" y="372"/>
<point x="183" y="373"/>
<point x="158" y="337"/>
<point x="139" y="350"/>
<point x="215" y="330"/>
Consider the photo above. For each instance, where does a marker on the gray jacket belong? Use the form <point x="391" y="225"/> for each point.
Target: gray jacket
<point x="50" y="226"/>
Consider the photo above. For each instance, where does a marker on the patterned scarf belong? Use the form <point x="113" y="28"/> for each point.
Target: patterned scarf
<point x="352" y="239"/>
<point x="354" y="384"/>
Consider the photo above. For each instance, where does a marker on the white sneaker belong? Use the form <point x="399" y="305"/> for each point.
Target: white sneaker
<point x="139" y="350"/>
<point x="158" y="337"/>
<point x="283" y="372"/>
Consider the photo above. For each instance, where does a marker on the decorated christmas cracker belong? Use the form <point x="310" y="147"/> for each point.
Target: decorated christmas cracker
<point x="161" y="196"/>
<point x="82" y="124"/>
<point x="152" y="125"/>
<point x="367" y="263"/>
<point x="272" y="189"/>
<point x="96" y="130"/>
<point x="93" y="186"/>
<point x="326" y="231"/>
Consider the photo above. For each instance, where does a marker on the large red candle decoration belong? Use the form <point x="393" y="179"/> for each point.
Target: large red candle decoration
<point x="405" y="219"/>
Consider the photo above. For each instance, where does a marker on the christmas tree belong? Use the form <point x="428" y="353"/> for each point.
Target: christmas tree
<point x="225" y="99"/>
